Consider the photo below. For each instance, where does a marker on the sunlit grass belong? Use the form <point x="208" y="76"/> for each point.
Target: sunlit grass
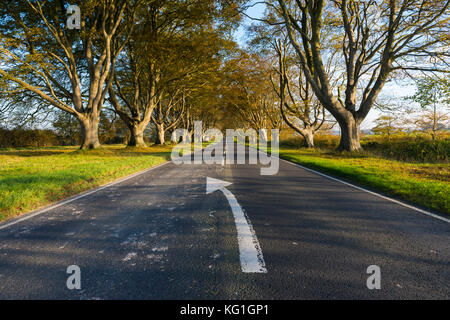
<point x="34" y="177"/>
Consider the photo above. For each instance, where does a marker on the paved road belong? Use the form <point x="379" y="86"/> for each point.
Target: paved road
<point x="159" y="236"/>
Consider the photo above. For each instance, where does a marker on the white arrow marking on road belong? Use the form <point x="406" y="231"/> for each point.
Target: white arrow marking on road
<point x="252" y="260"/>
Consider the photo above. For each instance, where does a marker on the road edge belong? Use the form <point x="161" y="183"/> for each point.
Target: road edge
<point x="399" y="202"/>
<point x="10" y="222"/>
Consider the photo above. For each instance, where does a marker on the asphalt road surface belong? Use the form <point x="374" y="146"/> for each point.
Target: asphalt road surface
<point x="160" y="236"/>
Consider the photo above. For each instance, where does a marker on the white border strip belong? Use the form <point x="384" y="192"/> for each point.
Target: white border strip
<point x="368" y="191"/>
<point x="85" y="194"/>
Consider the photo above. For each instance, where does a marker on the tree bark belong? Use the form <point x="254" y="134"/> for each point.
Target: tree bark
<point x="89" y="132"/>
<point x="350" y="134"/>
<point x="136" y="137"/>
<point x="308" y="135"/>
<point x="160" y="136"/>
<point x="173" y="138"/>
<point x="433" y="135"/>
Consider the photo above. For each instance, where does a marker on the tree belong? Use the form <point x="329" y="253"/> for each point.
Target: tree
<point x="138" y="78"/>
<point x="375" y="38"/>
<point x="168" y="113"/>
<point x="20" y="109"/>
<point x="176" y="44"/>
<point x="386" y="125"/>
<point x="431" y="121"/>
<point x="203" y="104"/>
<point x="431" y="94"/>
<point x="248" y="93"/>
<point x="195" y="62"/>
<point x="133" y="93"/>
<point x="300" y="109"/>
<point x="66" y="69"/>
<point x="67" y="128"/>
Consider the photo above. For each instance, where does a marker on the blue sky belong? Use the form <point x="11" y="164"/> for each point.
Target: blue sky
<point x="256" y="11"/>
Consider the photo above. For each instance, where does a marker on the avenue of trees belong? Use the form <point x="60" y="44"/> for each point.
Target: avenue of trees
<point x="140" y="65"/>
<point x="375" y="39"/>
<point x="145" y="60"/>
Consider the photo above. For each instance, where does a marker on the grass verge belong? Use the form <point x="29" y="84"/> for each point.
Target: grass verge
<point x="32" y="178"/>
<point x="427" y="185"/>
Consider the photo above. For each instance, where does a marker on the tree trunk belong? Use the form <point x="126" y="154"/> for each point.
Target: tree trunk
<point x="263" y="135"/>
<point x="173" y="137"/>
<point x="349" y="134"/>
<point x="136" y="136"/>
<point x="308" y="135"/>
<point x="160" y="136"/>
<point x="89" y="132"/>
<point x="433" y="135"/>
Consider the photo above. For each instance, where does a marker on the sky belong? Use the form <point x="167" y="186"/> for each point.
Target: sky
<point x="392" y="91"/>
<point x="257" y="11"/>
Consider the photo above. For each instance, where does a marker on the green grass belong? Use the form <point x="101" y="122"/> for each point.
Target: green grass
<point x="427" y="185"/>
<point x="34" y="177"/>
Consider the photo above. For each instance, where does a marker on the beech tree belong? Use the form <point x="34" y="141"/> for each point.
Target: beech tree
<point x="173" y="51"/>
<point x="151" y="58"/>
<point x="168" y="113"/>
<point x="134" y="92"/>
<point x="300" y="109"/>
<point x="196" y="60"/>
<point x="248" y="93"/>
<point x="135" y="98"/>
<point x="203" y="104"/>
<point x="376" y="40"/>
<point x="66" y="69"/>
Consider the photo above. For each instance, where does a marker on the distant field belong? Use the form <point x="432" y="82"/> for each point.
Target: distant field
<point x="425" y="184"/>
<point x="34" y="177"/>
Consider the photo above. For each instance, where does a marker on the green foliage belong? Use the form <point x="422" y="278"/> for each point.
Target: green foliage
<point x="27" y="138"/>
<point x="414" y="147"/>
<point x="410" y="148"/>
<point x="386" y="125"/>
<point x="67" y="127"/>
<point x="432" y="91"/>
<point x="66" y="132"/>
<point x="321" y="141"/>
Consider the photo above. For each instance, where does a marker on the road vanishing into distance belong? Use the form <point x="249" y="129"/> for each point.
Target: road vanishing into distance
<point x="159" y="235"/>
